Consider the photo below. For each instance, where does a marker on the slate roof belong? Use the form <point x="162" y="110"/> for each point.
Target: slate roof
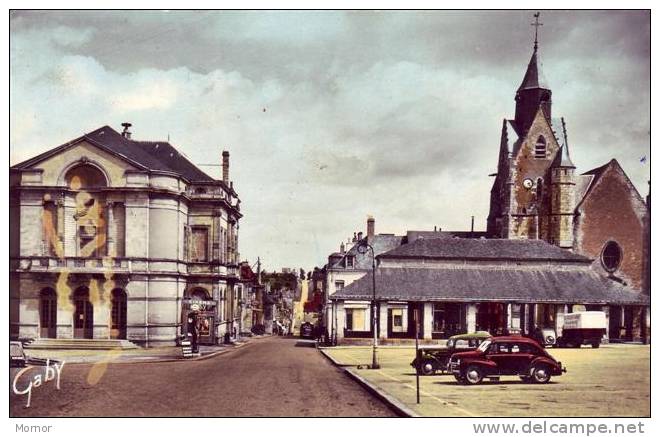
<point x="581" y="285"/>
<point x="412" y="236"/>
<point x="534" y="77"/>
<point x="381" y="243"/>
<point x="485" y="249"/>
<point x="147" y="155"/>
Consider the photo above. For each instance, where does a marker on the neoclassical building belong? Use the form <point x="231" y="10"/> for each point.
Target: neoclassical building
<point x="113" y="238"/>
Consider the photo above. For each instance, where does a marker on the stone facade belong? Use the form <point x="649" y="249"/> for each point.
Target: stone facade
<point x="124" y="236"/>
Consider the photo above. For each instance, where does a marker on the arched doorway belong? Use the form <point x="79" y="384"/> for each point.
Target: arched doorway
<point x="118" y="314"/>
<point x="48" y="313"/>
<point x="83" y="316"/>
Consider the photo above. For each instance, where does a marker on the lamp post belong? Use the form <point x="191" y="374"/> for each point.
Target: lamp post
<point x="364" y="247"/>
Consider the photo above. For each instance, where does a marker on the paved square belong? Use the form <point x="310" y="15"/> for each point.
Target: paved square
<point x="613" y="380"/>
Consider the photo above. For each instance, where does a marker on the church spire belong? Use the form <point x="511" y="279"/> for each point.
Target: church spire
<point x="534" y="91"/>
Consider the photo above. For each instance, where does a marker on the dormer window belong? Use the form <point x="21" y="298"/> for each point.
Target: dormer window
<point x="540" y="148"/>
<point x="350" y="261"/>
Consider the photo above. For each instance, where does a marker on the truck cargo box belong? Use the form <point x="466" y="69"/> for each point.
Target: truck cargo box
<point x="585" y="320"/>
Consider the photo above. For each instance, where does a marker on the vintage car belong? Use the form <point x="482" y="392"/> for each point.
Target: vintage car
<point x="500" y="356"/>
<point x="434" y="359"/>
<point x="17" y="357"/>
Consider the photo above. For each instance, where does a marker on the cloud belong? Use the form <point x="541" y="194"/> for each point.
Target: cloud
<point x="332" y="116"/>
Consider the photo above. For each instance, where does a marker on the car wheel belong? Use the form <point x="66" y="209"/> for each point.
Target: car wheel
<point x="427" y="368"/>
<point x="540" y="374"/>
<point x="473" y="375"/>
<point x="460" y="379"/>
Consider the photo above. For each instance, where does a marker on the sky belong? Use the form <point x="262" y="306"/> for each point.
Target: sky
<point x="331" y="116"/>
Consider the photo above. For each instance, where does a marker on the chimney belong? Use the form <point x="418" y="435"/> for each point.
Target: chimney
<point x="354" y="237"/>
<point x="225" y="167"/>
<point x="359" y="237"/>
<point x="371" y="228"/>
<point x="342" y="248"/>
<point x="126" y="133"/>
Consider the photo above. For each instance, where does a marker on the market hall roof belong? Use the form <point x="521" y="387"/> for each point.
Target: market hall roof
<point x="148" y="155"/>
<point x="582" y="285"/>
<point x="484" y="249"/>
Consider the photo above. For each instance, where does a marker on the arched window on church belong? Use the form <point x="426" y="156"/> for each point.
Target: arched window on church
<point x="540" y="147"/>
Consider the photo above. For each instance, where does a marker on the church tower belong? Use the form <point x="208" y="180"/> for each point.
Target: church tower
<point x="534" y="92"/>
<point x="533" y="195"/>
<point x="562" y="201"/>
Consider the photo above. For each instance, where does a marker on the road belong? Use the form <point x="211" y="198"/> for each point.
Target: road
<point x="273" y="376"/>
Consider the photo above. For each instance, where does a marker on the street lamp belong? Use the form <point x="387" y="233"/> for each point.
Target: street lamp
<point x="363" y="247"/>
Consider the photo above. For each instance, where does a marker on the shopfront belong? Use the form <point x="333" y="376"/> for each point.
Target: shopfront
<point x="202" y="314"/>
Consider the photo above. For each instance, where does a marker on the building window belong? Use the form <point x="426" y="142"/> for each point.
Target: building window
<point x="50" y="234"/>
<point x="540" y="148"/>
<point x="48" y="313"/>
<point x="339" y="285"/>
<point x="611" y="256"/>
<point x="350" y="262"/>
<point x="200" y="244"/>
<point x="396" y="315"/>
<point x="88" y="246"/>
<point x="355" y="319"/>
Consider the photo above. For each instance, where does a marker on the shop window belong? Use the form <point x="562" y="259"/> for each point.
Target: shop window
<point x="611" y="256"/>
<point x="396" y="316"/>
<point x="355" y="319"/>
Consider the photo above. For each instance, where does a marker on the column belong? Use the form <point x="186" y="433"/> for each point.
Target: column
<point x="471" y="317"/>
<point x="559" y="319"/>
<point x="428" y="320"/>
<point x="341" y="320"/>
<point x="606" y="310"/>
<point x="508" y="316"/>
<point x="383" y="321"/>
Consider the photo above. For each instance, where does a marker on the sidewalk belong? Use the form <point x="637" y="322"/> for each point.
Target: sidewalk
<point x="139" y="355"/>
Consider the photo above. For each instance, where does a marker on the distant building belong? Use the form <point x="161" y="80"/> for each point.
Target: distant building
<point x="115" y="238"/>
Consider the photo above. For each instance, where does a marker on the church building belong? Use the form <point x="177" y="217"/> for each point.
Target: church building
<point x="557" y="241"/>
<point x="539" y="194"/>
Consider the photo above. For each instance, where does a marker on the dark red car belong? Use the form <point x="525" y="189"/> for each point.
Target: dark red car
<point x="502" y="356"/>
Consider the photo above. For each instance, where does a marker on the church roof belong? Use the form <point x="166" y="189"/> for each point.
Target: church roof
<point x="147" y="155"/>
<point x="534" y="77"/>
<point x="577" y="285"/>
<point x="484" y="249"/>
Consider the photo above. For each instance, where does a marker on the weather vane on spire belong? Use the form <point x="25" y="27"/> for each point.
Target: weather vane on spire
<point x="536" y="25"/>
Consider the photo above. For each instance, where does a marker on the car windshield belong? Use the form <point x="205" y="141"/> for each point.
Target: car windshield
<point x="483" y="347"/>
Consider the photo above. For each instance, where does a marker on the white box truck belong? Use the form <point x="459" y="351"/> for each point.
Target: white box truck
<point x="586" y="327"/>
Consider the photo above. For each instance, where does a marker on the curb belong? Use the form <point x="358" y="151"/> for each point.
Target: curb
<point x="162" y="360"/>
<point x="393" y="403"/>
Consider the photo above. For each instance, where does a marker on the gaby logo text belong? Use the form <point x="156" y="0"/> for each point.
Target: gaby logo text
<point x="36" y="380"/>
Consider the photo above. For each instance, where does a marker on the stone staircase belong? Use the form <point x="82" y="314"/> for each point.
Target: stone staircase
<point x="79" y="343"/>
